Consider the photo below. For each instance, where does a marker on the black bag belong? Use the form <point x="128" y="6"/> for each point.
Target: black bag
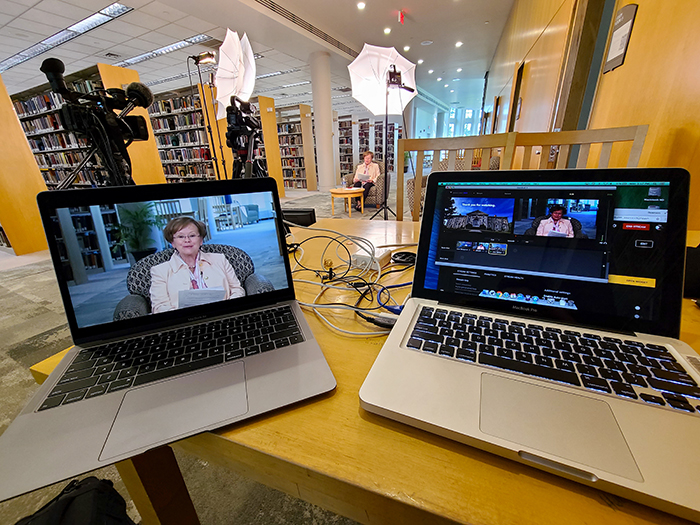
<point x="91" y="501"/>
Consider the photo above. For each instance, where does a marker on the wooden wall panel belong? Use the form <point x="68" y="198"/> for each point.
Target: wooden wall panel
<point x="20" y="181"/>
<point x="268" y="119"/>
<point x="145" y="162"/>
<point x="659" y="85"/>
<point x="535" y="33"/>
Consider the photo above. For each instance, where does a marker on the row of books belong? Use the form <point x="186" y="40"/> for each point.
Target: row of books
<point x="293" y="163"/>
<point x="288" y="128"/>
<point x="188" y="170"/>
<point x="292" y="152"/>
<point x="174" y="122"/>
<point x="58" y="159"/>
<point x="49" y="122"/>
<point x="171" y="105"/>
<point x="38" y="104"/>
<point x="295" y="183"/>
<point x="54" y="176"/>
<point x="184" y="154"/>
<point x="193" y="137"/>
<point x="57" y="141"/>
<point x="286" y="140"/>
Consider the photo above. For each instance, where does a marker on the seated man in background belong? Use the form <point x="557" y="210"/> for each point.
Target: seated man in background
<point x="366" y="175"/>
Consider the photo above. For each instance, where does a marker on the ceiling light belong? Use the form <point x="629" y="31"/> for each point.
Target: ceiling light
<point x="197" y="39"/>
<point x="107" y="14"/>
<point x="455" y="80"/>
<point x="387" y="30"/>
<point x="420" y="61"/>
<point x="452" y="90"/>
<point x="439" y="79"/>
<point x="459" y="44"/>
<point x="459" y="70"/>
<point x="361" y="5"/>
<point x="446" y="85"/>
<point x="426" y="42"/>
<point x="406" y="48"/>
<point x="430" y="72"/>
<point x="207" y="57"/>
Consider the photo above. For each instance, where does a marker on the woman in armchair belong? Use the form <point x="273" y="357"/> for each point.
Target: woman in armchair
<point x="189" y="268"/>
<point x="366" y="175"/>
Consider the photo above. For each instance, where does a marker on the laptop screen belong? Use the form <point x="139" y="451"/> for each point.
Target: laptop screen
<point x="137" y="258"/>
<point x="600" y="248"/>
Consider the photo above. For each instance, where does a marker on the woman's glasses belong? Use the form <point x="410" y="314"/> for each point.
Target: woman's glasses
<point x="191" y="237"/>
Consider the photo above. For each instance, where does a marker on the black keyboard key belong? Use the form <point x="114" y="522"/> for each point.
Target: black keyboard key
<point x="675" y="377"/>
<point x="681" y="406"/>
<point x="230" y="355"/>
<point x="164" y="373"/>
<point x="120" y="384"/>
<point x="530" y="369"/>
<point x="429" y="346"/>
<point x="544" y="361"/>
<point x="595" y="383"/>
<point x="77" y="395"/>
<point x="83" y="365"/>
<point x="564" y="365"/>
<point x="466" y="354"/>
<point x="96" y="391"/>
<point x="74" y="385"/>
<point x="469" y="345"/>
<point x="592" y="361"/>
<point x="587" y="370"/>
<point x="609" y="346"/>
<point x="654" y="400"/>
<point x="255" y="349"/>
<point x="487" y="349"/>
<point x="504" y="352"/>
<point x="676" y="388"/>
<point x="623" y="389"/>
<point x="592" y="336"/>
<point x="603" y="354"/>
<point x="524" y="357"/>
<point x="447" y="350"/>
<point x="52" y="401"/>
<point x="615" y="365"/>
<point x="570" y="356"/>
<point x="673" y="366"/>
<point x="564" y="347"/>
<point x="612" y="375"/>
<point x="550" y="352"/>
<point x="513" y="345"/>
<point x="657" y="354"/>
<point x="634" y="379"/>
<point x="80" y="374"/>
<point x="414" y="343"/>
<point x="427" y="336"/>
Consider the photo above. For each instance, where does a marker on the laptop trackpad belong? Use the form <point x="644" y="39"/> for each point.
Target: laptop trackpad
<point x="567" y="425"/>
<point x="162" y="412"/>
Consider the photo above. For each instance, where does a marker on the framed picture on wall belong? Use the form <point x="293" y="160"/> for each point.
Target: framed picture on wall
<point x="620" y="38"/>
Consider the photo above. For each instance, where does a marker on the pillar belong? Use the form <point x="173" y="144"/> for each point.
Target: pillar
<point x="323" y="118"/>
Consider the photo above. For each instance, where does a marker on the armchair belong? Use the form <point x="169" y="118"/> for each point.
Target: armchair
<point x="376" y="194"/>
<point x="138" y="280"/>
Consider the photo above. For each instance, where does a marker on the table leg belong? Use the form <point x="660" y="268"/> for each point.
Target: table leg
<point x="362" y="203"/>
<point x="349" y="201"/>
<point x="332" y="205"/>
<point x="155" y="484"/>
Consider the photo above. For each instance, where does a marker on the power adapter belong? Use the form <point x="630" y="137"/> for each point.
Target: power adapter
<point x="362" y="259"/>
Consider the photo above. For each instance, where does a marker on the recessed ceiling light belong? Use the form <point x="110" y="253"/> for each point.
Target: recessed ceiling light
<point x="458" y="44"/>
<point x="426" y="42"/>
<point x="439" y="79"/>
<point x="446" y="85"/>
<point x="406" y="48"/>
<point x="420" y="61"/>
<point x="452" y="90"/>
<point x="361" y="5"/>
<point x="459" y="70"/>
<point x="197" y="39"/>
<point x="430" y="72"/>
<point x="387" y="30"/>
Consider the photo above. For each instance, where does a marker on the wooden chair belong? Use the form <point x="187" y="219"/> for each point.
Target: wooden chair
<point x="555" y="148"/>
<point x="477" y="152"/>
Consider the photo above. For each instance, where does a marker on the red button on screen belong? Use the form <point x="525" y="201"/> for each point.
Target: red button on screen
<point x="635" y="226"/>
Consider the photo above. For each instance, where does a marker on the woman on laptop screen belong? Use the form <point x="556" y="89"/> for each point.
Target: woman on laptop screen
<point x="555" y="225"/>
<point x="191" y="277"/>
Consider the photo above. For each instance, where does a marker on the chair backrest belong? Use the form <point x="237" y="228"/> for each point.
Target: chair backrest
<point x="555" y="148"/>
<point x="138" y="280"/>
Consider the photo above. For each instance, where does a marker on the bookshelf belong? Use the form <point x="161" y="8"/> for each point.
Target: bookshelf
<point x="57" y="150"/>
<point x="181" y="136"/>
<point x="297" y="151"/>
<point x="345" y="148"/>
<point x="379" y="140"/>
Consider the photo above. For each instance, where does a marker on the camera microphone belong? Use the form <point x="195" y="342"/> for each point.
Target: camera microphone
<point x="53" y="68"/>
<point x="138" y="95"/>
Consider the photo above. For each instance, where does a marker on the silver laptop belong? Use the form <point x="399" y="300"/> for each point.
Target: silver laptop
<point x="559" y="352"/>
<point x="135" y="379"/>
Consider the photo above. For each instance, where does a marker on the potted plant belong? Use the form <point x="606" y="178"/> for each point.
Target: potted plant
<point x="406" y="160"/>
<point x="137" y="220"/>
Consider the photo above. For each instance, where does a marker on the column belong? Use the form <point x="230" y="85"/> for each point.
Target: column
<point x="323" y="118"/>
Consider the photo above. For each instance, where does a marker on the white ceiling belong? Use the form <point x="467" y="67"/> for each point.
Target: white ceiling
<point x="284" y="45"/>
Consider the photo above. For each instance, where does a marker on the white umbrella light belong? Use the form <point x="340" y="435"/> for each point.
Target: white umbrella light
<point x="368" y="77"/>
<point x="235" y="74"/>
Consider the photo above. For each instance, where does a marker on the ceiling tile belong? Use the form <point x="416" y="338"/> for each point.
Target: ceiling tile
<point x="163" y="11"/>
<point x="91" y="5"/>
<point x="141" y="19"/>
<point x="19" y="35"/>
<point x="157" y="39"/>
<point x="24" y="24"/>
<point x="177" y="32"/>
<point x="196" y="25"/>
<point x="126" y="28"/>
<point x="106" y="36"/>
<point x="12" y="8"/>
<point x="63" y="9"/>
<point x="79" y="47"/>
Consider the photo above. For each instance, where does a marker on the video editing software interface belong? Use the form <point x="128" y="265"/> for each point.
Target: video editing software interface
<point x="578" y="247"/>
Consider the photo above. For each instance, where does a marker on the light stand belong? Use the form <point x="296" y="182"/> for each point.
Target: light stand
<point x="218" y="134"/>
<point x="206" y="58"/>
<point x="393" y="79"/>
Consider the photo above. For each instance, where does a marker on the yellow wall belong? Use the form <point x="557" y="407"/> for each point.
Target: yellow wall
<point x="20" y="181"/>
<point x="536" y="33"/>
<point x="145" y="162"/>
<point x="659" y="85"/>
<point x="268" y="119"/>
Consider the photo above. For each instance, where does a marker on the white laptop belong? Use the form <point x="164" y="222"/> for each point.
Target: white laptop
<point x="557" y="352"/>
<point x="136" y="380"/>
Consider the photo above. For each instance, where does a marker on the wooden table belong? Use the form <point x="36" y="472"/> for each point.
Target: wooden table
<point x="347" y="194"/>
<point x="330" y="452"/>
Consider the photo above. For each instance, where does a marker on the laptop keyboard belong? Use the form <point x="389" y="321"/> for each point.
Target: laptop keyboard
<point x="627" y="368"/>
<point x="134" y="362"/>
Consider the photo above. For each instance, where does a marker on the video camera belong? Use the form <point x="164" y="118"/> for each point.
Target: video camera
<point x="93" y="115"/>
<point x="243" y="136"/>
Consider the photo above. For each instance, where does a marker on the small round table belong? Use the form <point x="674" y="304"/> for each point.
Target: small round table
<point x="347" y="193"/>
